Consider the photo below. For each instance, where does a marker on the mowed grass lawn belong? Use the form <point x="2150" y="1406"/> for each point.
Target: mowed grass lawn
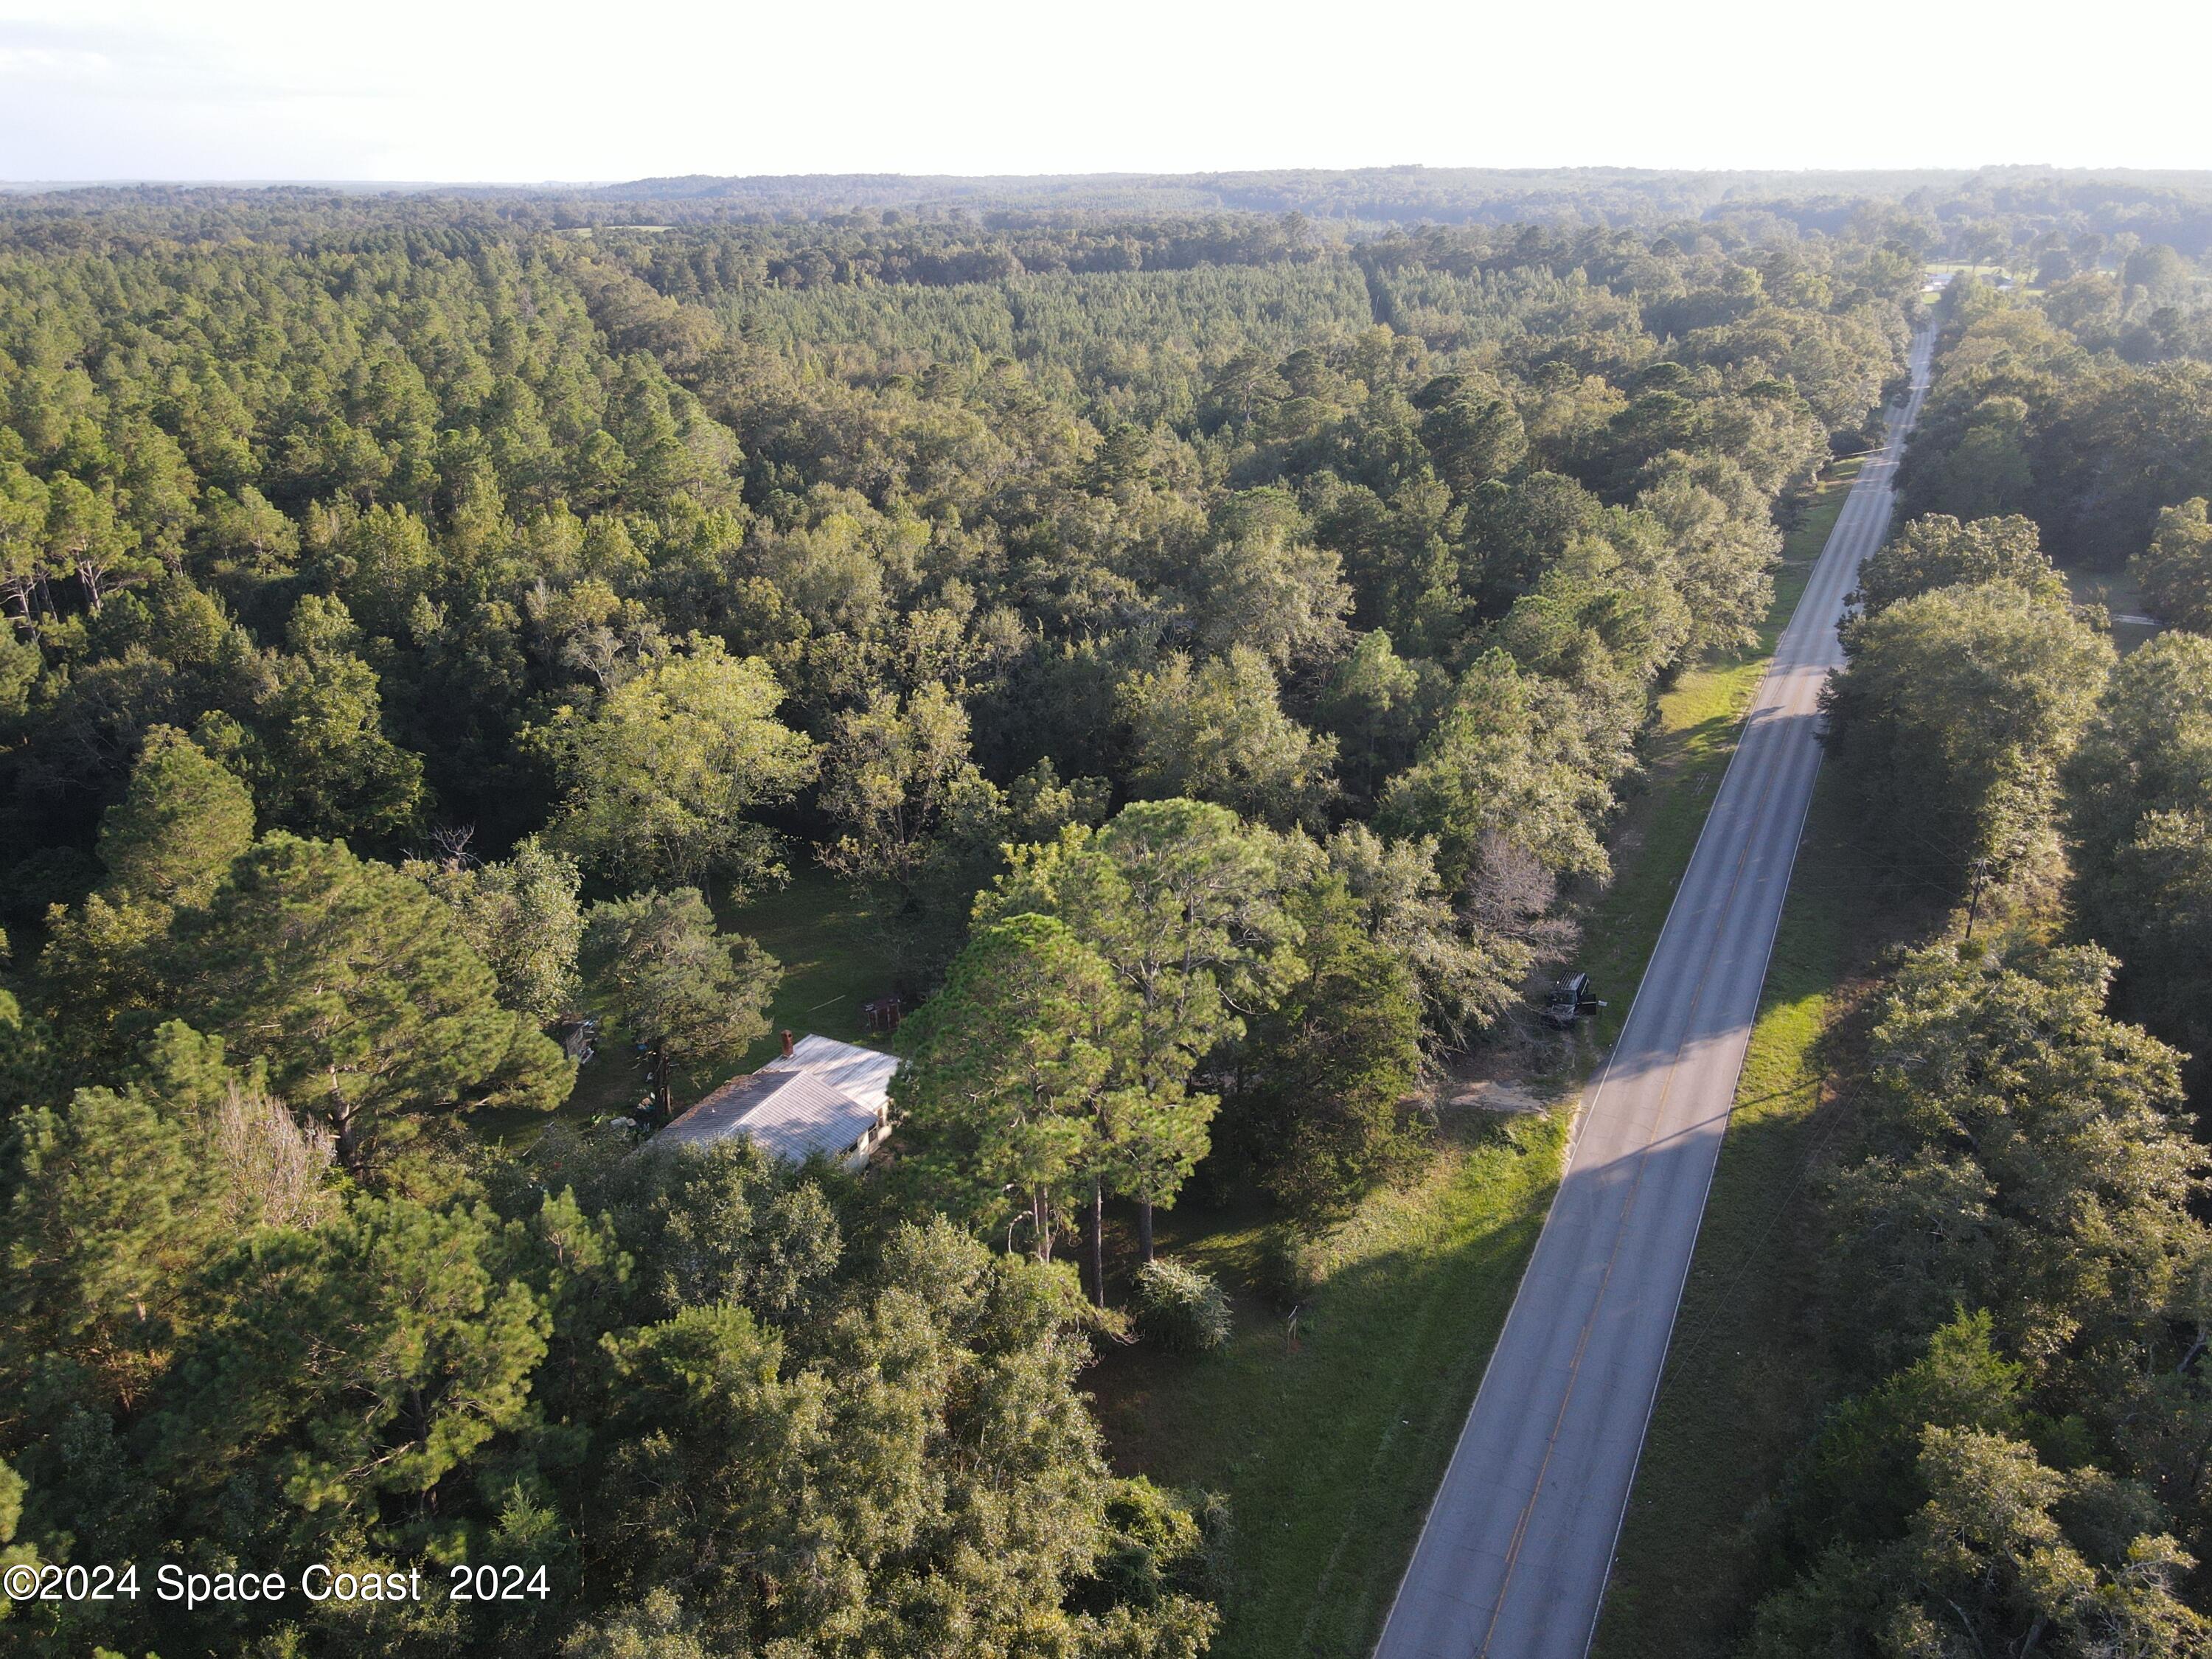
<point x="1328" y="1436"/>
<point x="2116" y="590"/>
<point x="835" y="951"/>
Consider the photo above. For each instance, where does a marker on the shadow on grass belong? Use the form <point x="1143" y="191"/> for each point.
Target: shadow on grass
<point x="1746" y="1377"/>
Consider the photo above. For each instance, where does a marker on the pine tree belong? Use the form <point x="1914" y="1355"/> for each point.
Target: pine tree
<point x="1000" y="1104"/>
<point x="1184" y="906"/>
<point x="181" y="823"/>
<point x="352" y="982"/>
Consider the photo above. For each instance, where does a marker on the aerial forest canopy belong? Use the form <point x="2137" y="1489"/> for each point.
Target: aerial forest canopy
<point x="1217" y="642"/>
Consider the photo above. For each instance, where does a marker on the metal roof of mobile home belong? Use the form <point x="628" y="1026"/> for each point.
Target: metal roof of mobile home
<point x="787" y="1114"/>
<point x="863" y="1073"/>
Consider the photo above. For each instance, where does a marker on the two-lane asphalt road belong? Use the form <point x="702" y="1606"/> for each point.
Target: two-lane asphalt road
<point x="1512" y="1562"/>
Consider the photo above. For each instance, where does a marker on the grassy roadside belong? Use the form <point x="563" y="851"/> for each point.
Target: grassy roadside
<point x="1685" y="757"/>
<point x="1738" y="1397"/>
<point x="1326" y="1433"/>
<point x="1327" y="1436"/>
<point x="1739" y="1394"/>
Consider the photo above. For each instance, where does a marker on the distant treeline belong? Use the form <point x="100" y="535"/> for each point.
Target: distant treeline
<point x="1178" y="219"/>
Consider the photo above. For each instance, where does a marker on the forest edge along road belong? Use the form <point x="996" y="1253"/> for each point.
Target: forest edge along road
<point x="1513" y="1558"/>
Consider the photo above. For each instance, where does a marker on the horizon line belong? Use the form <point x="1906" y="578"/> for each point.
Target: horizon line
<point x="123" y="182"/>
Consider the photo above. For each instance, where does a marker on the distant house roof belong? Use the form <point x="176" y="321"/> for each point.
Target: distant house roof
<point x="786" y="1114"/>
<point x="863" y="1073"/>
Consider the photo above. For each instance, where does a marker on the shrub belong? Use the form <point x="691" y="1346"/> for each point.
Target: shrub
<point x="1155" y="1546"/>
<point x="1292" y="1266"/>
<point x="1181" y="1308"/>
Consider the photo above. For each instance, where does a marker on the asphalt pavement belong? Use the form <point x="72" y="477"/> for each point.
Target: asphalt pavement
<point x="1513" y="1559"/>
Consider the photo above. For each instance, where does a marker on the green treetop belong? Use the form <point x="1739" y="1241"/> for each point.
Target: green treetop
<point x="692" y="995"/>
<point x="353" y="984"/>
<point x="662" y="775"/>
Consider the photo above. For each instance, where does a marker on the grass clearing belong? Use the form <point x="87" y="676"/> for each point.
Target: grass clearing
<point x="1328" y="1437"/>
<point x="2118" y="591"/>
<point x="836" y="951"/>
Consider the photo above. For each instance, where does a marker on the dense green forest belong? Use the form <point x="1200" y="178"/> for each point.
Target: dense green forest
<point x="1978" y="214"/>
<point x="1216" y="643"/>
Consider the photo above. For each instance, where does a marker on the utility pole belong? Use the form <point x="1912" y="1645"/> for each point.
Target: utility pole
<point x="1974" y="904"/>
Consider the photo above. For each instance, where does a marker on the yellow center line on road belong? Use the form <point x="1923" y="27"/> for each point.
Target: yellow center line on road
<point x="1635" y="1190"/>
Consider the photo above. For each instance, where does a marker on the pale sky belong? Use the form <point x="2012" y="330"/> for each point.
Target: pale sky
<point x="612" y="90"/>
